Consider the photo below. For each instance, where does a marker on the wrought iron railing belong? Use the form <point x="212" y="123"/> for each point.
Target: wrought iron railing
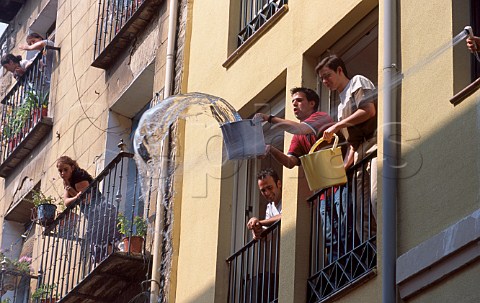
<point x="253" y="269"/>
<point x="254" y="14"/>
<point x="14" y="286"/>
<point x="5" y="42"/>
<point x="88" y="232"/>
<point x="343" y="234"/>
<point x="112" y="16"/>
<point x="24" y="106"/>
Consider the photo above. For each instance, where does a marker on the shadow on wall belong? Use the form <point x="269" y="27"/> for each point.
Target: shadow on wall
<point x="438" y="170"/>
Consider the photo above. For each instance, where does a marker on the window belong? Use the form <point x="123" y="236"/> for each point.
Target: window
<point x="340" y="255"/>
<point x="248" y="200"/>
<point x="360" y="57"/>
<point x="254" y="14"/>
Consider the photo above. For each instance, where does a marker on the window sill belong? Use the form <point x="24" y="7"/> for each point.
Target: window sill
<point x="262" y="30"/>
<point x="464" y="93"/>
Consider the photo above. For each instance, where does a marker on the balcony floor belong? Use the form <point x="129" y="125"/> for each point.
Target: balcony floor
<point x="117" y="279"/>
<point x="33" y="138"/>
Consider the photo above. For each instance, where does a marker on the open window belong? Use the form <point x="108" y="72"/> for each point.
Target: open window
<point x="359" y="50"/>
<point x="248" y="200"/>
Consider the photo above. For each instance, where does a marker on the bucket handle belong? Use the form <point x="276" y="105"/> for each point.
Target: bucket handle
<point x="335" y="143"/>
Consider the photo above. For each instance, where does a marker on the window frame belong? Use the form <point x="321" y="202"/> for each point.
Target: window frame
<point x="475" y="23"/>
<point x="246" y="196"/>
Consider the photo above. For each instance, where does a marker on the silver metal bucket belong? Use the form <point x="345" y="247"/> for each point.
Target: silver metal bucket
<point x="243" y="139"/>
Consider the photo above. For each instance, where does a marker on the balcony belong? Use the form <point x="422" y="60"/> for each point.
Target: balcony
<point x="84" y="257"/>
<point x="24" y="116"/>
<point x="5" y="41"/>
<point x="341" y="256"/>
<point x="253" y="269"/>
<point x="119" y="23"/>
<point x="21" y="211"/>
<point x="14" y="286"/>
<point x="9" y="9"/>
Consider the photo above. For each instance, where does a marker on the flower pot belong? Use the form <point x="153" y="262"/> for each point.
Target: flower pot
<point x="48" y="300"/>
<point x="44" y="111"/>
<point x="46" y="213"/>
<point x="136" y="244"/>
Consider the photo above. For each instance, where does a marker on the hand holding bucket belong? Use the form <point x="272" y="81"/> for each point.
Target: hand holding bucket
<point x="243" y="139"/>
<point x="324" y="168"/>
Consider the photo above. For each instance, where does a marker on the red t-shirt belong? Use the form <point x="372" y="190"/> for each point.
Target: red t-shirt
<point x="301" y="144"/>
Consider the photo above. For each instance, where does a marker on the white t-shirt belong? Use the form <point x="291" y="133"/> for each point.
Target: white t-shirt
<point x="348" y="105"/>
<point x="273" y="210"/>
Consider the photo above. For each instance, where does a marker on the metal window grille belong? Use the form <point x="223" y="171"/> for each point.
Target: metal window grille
<point x="112" y="16"/>
<point x="254" y="14"/>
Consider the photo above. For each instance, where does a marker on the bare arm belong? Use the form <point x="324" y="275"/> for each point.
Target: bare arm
<point x="71" y="194"/>
<point x="365" y="112"/>
<point x="292" y="127"/>
<point x="36" y="46"/>
<point x="349" y="158"/>
<point x="271" y="220"/>
<point x="286" y="160"/>
<point x="255" y="225"/>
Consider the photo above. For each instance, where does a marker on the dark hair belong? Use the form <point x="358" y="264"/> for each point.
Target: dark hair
<point x="67" y="160"/>
<point x="332" y="62"/>
<point x="268" y="172"/>
<point x="34" y="36"/>
<point x="11" y="57"/>
<point x="309" y="93"/>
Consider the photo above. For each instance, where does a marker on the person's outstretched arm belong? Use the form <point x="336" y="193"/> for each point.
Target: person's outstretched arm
<point x="35" y="46"/>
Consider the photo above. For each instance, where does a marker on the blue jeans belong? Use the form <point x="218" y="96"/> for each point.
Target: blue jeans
<point x="334" y="222"/>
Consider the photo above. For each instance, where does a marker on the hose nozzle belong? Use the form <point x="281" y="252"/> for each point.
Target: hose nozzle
<point x="469" y="31"/>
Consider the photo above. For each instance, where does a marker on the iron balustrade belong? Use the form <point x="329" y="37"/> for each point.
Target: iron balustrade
<point x="24" y="105"/>
<point x="112" y="17"/>
<point x="253" y="269"/>
<point x="5" y="42"/>
<point x="343" y="234"/>
<point x="254" y="14"/>
<point x="86" y="232"/>
<point x="14" y="286"/>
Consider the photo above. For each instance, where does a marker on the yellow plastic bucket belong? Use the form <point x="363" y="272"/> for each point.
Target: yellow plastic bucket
<point x="324" y="168"/>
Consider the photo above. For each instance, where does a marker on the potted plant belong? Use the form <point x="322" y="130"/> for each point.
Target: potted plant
<point x="45" y="207"/>
<point x="8" y="279"/>
<point x="133" y="239"/>
<point x="22" y="265"/>
<point x="44" y="293"/>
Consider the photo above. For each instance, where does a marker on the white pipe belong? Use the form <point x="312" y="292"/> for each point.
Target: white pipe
<point x="170" y="60"/>
<point x="167" y="91"/>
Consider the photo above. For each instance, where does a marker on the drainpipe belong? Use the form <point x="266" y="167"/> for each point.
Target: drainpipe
<point x="167" y="91"/>
<point x="390" y="156"/>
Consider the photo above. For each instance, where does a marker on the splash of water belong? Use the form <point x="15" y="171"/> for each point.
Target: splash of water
<point x="155" y="163"/>
<point x="429" y="59"/>
<point x="155" y="122"/>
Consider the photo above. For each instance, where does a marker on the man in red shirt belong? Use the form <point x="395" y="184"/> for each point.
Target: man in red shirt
<point x="310" y="127"/>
